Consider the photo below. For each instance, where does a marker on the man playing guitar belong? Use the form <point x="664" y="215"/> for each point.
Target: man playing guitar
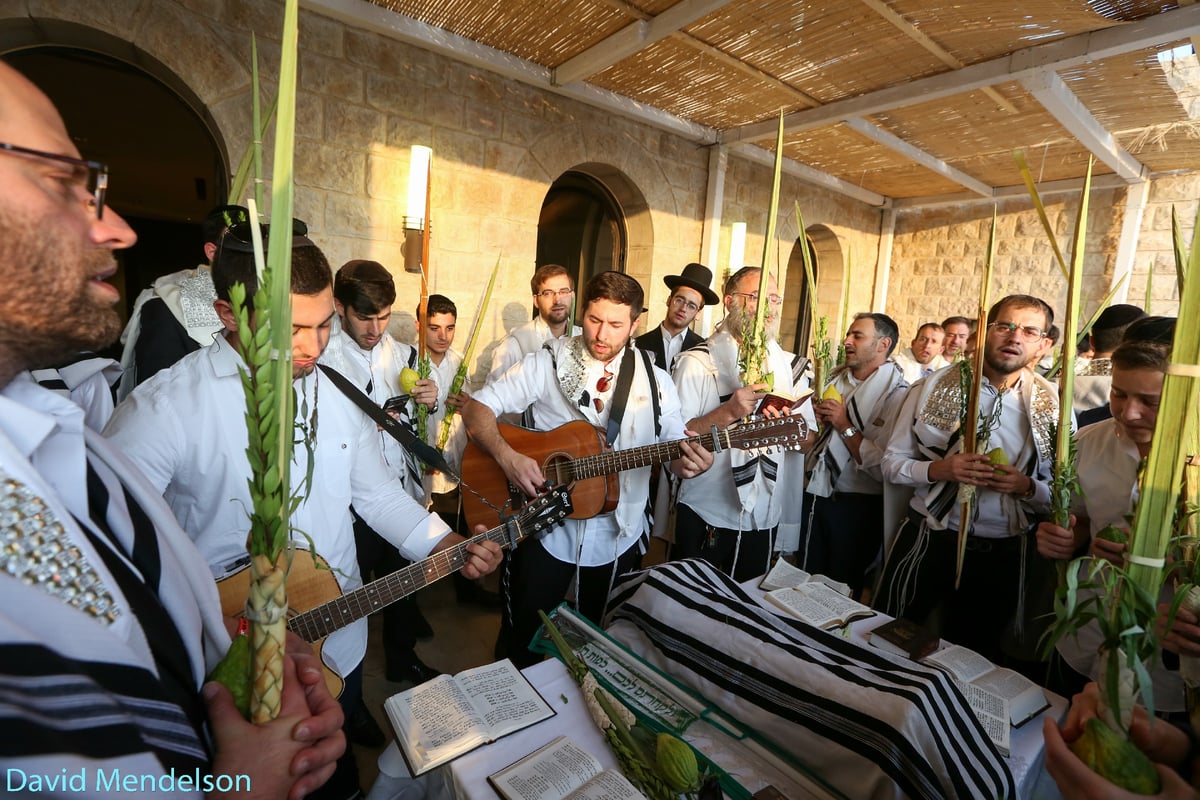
<point x="595" y="377"/>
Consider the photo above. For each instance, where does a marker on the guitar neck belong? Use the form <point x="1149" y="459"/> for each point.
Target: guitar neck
<point x="319" y="622"/>
<point x="594" y="466"/>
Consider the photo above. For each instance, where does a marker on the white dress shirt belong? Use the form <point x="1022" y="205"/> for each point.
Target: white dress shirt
<point x="443" y="375"/>
<point x="185" y="428"/>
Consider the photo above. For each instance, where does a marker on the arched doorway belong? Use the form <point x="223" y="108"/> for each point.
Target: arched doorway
<point x="581" y="227"/>
<point x="595" y="219"/>
<point x="829" y="273"/>
<point x="166" y="162"/>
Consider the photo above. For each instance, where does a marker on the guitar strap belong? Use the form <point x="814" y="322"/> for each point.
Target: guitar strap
<point x="420" y="449"/>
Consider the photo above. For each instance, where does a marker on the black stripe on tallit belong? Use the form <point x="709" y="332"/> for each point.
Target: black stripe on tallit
<point x="934" y="695"/>
<point x="50" y="703"/>
<point x="853" y="730"/>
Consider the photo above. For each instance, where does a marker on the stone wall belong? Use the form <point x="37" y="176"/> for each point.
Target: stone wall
<point x="938" y="253"/>
<point x="365" y="99"/>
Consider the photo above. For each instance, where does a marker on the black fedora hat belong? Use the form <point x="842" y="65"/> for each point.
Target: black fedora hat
<point x="695" y="276"/>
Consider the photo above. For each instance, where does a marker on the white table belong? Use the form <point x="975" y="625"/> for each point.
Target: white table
<point x="466" y="776"/>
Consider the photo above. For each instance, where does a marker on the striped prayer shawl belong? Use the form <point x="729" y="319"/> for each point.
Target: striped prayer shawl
<point x="871" y="725"/>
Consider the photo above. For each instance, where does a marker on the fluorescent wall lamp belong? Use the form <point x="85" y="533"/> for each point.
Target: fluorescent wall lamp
<point x="414" y="220"/>
<point x="737" y="246"/>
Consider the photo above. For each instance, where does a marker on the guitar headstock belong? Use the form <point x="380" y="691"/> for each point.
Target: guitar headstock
<point x="546" y="510"/>
<point x="756" y="433"/>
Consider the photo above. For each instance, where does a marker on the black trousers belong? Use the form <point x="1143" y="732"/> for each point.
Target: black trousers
<point x="695" y="538"/>
<point x="539" y="581"/>
<point x="919" y="577"/>
<point x="378" y="557"/>
<point x="844" y="536"/>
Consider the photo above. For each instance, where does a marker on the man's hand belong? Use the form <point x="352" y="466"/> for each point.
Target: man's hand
<point x="483" y="557"/>
<point x="425" y="392"/>
<point x="1109" y="551"/>
<point x="1007" y="479"/>
<point x="1054" y="541"/>
<point x="269" y="754"/>
<point x="1076" y="781"/>
<point x="743" y="401"/>
<point x="832" y="413"/>
<point x="522" y="471"/>
<point x="693" y="459"/>
<point x="1184" y="635"/>
<point x="972" y="468"/>
<point x="322" y="731"/>
<point x="457" y="400"/>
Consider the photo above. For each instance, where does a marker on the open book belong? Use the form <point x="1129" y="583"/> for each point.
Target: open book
<point x="999" y="697"/>
<point x="561" y="770"/>
<point x="818" y="604"/>
<point x="451" y="715"/>
<point x="782" y="401"/>
<point x="784" y="576"/>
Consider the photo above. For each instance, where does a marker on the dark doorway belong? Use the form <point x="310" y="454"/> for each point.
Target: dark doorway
<point x="167" y="169"/>
<point x="581" y="227"/>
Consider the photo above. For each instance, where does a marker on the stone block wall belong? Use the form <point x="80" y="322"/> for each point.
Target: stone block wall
<point x="364" y="99"/>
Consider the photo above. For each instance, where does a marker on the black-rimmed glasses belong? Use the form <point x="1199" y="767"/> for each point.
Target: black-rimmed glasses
<point x="679" y="301"/>
<point x="97" y="173"/>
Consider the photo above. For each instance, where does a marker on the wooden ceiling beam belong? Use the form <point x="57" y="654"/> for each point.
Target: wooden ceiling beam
<point x="811" y="175"/>
<point x="1057" y="98"/>
<point x="1072" y="51"/>
<point x="914" y="153"/>
<point x="946" y="57"/>
<point x="632" y="38"/>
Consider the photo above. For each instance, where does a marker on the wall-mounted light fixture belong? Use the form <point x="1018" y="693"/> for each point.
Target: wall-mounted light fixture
<point x="414" y="219"/>
<point x="737" y="246"/>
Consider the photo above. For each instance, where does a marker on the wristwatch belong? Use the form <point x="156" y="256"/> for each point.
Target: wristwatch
<point x="849" y="432"/>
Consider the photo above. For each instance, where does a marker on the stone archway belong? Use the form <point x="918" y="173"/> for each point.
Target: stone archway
<point x="166" y="158"/>
<point x="595" y="218"/>
<point x="828" y="270"/>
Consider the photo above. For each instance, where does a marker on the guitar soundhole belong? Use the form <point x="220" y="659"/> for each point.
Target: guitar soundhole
<point x="559" y="469"/>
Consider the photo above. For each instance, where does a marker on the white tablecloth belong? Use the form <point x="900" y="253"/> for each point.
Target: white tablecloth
<point x="466" y="776"/>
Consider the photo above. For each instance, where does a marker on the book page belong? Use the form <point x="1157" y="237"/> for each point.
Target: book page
<point x="503" y="698"/>
<point x="782" y="576"/>
<point x="608" y="785"/>
<point x="991" y="711"/>
<point x="818" y="605"/>
<point x="964" y="664"/>
<point x="1025" y="697"/>
<point x="548" y="773"/>
<point x="434" y="722"/>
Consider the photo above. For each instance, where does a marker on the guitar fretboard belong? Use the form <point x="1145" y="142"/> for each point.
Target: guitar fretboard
<point x="319" y="622"/>
<point x="758" y="434"/>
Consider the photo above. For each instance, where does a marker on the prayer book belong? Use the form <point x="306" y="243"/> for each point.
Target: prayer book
<point x="451" y="715"/>
<point x="781" y="401"/>
<point x="819" y="605"/>
<point x="1000" y="698"/>
<point x="784" y="576"/>
<point x="903" y="637"/>
<point x="562" y="770"/>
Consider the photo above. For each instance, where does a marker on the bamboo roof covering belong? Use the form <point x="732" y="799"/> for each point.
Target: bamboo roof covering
<point x="899" y="99"/>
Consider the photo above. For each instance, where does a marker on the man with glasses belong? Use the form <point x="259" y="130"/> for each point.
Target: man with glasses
<point x="553" y="297"/>
<point x="106" y="628"/>
<point x="730" y="515"/>
<point x="690" y="292"/>
<point x="1017" y="413"/>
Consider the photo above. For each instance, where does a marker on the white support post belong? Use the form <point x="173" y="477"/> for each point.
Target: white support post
<point x="883" y="262"/>
<point x="1136" y="195"/>
<point x="710" y="242"/>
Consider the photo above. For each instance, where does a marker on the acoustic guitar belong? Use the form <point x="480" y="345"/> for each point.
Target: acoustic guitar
<point x="317" y="607"/>
<point x="576" y="455"/>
